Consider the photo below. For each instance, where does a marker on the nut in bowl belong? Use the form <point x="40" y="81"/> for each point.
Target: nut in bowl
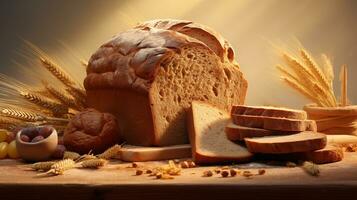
<point x="36" y="143"/>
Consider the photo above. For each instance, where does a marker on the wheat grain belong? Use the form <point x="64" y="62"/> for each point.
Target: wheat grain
<point x="61" y="166"/>
<point x="21" y="115"/>
<point x="71" y="155"/>
<point x="44" y="102"/>
<point x="43" y="166"/>
<point x="78" y="95"/>
<point x="57" y="71"/>
<point x="86" y="157"/>
<point x="111" y="152"/>
<point x="311" y="168"/>
<point x="94" y="163"/>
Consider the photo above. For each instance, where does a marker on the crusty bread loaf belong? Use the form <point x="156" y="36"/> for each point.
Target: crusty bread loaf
<point x="206" y="125"/>
<point x="299" y="142"/>
<point x="268" y="111"/>
<point x="148" y="76"/>
<point x="238" y="133"/>
<point x="274" y="123"/>
<point x="140" y="154"/>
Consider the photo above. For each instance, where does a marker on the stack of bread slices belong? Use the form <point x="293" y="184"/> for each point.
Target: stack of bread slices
<point x="273" y="130"/>
<point x="217" y="136"/>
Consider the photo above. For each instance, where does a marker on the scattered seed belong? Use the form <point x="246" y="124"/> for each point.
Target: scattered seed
<point x="233" y="172"/>
<point x="225" y="173"/>
<point x="261" y="171"/>
<point x="247" y="174"/>
<point x="134" y="165"/>
<point x="139" y="172"/>
<point x="207" y="173"/>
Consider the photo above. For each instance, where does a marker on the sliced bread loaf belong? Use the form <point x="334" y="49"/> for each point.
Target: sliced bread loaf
<point x="206" y="125"/>
<point x="269" y="111"/>
<point x="140" y="154"/>
<point x="274" y="123"/>
<point x="299" y="142"/>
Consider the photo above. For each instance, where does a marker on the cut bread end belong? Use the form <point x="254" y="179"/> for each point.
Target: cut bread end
<point x="206" y="126"/>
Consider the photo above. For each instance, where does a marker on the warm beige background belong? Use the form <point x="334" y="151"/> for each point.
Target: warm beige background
<point x="252" y="26"/>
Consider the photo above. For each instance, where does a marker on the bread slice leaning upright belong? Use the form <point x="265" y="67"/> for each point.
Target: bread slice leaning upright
<point x="206" y="126"/>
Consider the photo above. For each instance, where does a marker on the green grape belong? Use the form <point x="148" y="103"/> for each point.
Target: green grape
<point x="12" y="151"/>
<point x="3" y="149"/>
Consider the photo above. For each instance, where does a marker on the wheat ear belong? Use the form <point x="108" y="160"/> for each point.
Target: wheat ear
<point x="61" y="96"/>
<point x="21" y="115"/>
<point x="57" y="71"/>
<point x="319" y="76"/>
<point x="71" y="155"/>
<point x="43" y="166"/>
<point x="94" y="163"/>
<point x="79" y="96"/>
<point x="44" y="102"/>
<point x="111" y="152"/>
<point x="61" y="166"/>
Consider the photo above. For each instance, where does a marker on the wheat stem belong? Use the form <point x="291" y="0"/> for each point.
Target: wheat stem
<point x="57" y="108"/>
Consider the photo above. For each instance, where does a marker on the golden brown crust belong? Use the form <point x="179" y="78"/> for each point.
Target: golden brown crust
<point x="91" y="130"/>
<point x="132" y="58"/>
<point x="206" y="35"/>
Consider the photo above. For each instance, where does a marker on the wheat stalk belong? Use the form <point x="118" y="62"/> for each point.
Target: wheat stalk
<point x="10" y="123"/>
<point x="44" y="102"/>
<point x="61" y="96"/>
<point x="111" y="152"/>
<point x="319" y="77"/>
<point x="21" y="115"/>
<point x="94" y="163"/>
<point x="295" y="85"/>
<point x="43" y="166"/>
<point x="61" y="166"/>
<point x="328" y="69"/>
<point x="79" y="96"/>
<point x="57" y="71"/>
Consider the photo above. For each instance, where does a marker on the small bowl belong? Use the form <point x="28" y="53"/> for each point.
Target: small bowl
<point x="37" y="151"/>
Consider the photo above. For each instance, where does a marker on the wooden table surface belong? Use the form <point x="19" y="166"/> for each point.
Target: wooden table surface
<point x="117" y="181"/>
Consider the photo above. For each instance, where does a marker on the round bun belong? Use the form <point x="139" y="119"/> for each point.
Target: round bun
<point x="91" y="130"/>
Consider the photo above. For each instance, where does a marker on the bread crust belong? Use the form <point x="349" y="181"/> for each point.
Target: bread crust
<point x="274" y="123"/>
<point x="269" y="112"/>
<point x="238" y="133"/>
<point x="300" y="142"/>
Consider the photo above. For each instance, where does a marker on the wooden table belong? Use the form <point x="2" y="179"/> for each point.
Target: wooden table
<point x="117" y="181"/>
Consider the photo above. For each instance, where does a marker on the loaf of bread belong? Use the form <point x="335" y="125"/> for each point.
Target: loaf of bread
<point x="91" y="130"/>
<point x="206" y="125"/>
<point x="149" y="75"/>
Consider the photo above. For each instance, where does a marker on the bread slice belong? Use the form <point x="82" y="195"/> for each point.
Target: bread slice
<point x="299" y="142"/>
<point x="274" y="123"/>
<point x="329" y="154"/>
<point x="140" y="154"/>
<point x="268" y="111"/>
<point x="238" y="133"/>
<point x="206" y="125"/>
